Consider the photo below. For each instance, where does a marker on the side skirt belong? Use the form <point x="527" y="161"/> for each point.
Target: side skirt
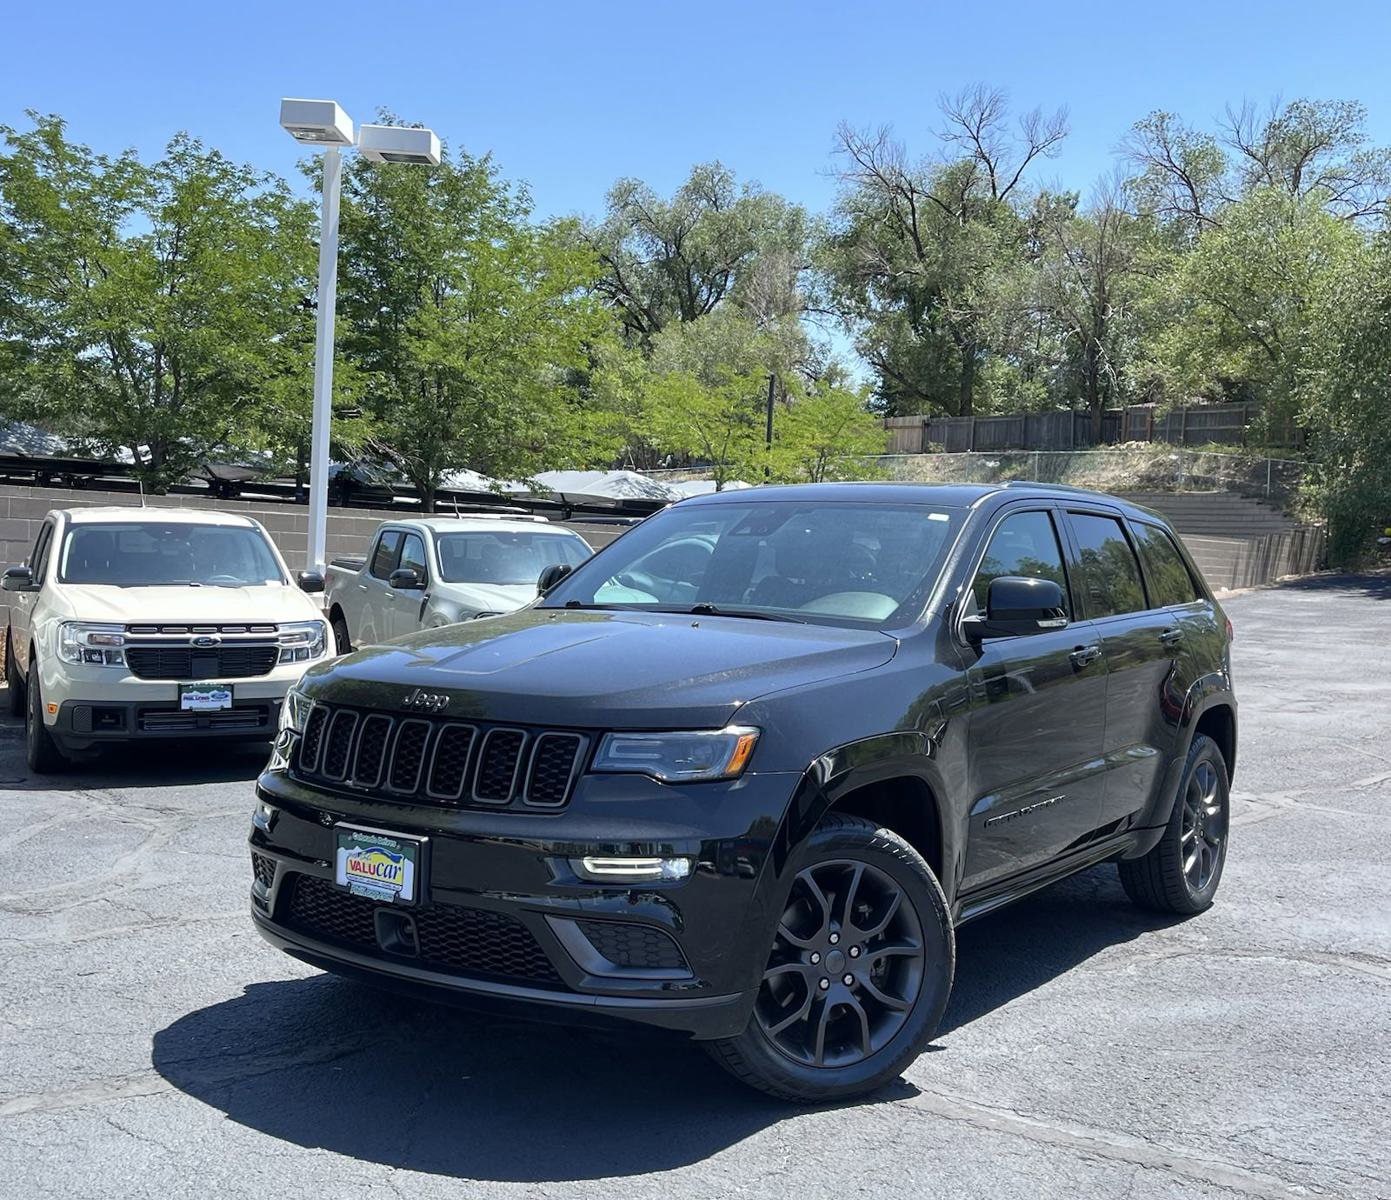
<point x="978" y="903"/>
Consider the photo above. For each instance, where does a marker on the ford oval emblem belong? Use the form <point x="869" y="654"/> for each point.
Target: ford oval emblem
<point x="205" y="640"/>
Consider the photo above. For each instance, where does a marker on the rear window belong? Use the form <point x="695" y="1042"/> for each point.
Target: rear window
<point x="168" y="555"/>
<point x="1170" y="582"/>
<point x="1110" y="574"/>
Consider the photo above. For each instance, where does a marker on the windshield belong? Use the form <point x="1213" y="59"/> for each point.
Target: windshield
<point x="149" y="554"/>
<point x="506" y="558"/>
<point x="832" y="562"/>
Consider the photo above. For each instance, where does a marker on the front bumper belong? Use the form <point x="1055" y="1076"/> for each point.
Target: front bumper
<point x="503" y="921"/>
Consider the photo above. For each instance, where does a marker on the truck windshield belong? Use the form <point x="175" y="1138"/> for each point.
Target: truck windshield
<point x="826" y="562"/>
<point x="150" y="554"/>
<point x="502" y="557"/>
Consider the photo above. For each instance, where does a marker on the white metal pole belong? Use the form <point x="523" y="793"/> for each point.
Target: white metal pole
<point x="323" y="361"/>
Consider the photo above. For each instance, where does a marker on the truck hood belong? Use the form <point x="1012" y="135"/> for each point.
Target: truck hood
<point x="600" y="669"/>
<point x="486" y="597"/>
<point x="185" y="605"/>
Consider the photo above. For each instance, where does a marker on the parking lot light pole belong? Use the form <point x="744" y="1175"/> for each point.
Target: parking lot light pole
<point x="324" y="125"/>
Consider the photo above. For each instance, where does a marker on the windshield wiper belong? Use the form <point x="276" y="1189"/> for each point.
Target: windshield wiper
<point x="705" y="608"/>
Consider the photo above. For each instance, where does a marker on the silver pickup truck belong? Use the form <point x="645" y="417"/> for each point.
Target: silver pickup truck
<point x="433" y="571"/>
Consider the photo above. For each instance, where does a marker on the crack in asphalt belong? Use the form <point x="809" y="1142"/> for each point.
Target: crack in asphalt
<point x="1107" y="1144"/>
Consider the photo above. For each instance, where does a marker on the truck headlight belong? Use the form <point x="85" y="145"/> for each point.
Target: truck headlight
<point x="303" y="641"/>
<point x="93" y="645"/>
<point x="698" y="756"/>
<point x="294" y="710"/>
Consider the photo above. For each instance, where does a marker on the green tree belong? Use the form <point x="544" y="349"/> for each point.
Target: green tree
<point x="925" y="257"/>
<point x="825" y="434"/>
<point x="468" y="322"/>
<point x="152" y="302"/>
<point x="1345" y="397"/>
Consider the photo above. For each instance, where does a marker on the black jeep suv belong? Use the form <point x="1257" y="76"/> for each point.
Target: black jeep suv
<point x="743" y="773"/>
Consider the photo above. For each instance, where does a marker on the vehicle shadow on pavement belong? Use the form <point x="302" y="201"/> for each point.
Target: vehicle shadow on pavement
<point x="1373" y="586"/>
<point x="164" y="764"/>
<point x="1010" y="953"/>
<point x="326" y="1063"/>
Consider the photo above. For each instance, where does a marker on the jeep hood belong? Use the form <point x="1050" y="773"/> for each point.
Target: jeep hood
<point x="600" y="669"/>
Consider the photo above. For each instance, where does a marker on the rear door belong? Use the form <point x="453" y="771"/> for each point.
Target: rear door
<point x="1037" y="711"/>
<point x="1140" y="647"/>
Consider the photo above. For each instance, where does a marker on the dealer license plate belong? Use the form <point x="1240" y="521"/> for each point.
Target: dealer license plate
<point x="205" y="697"/>
<point x="377" y="865"/>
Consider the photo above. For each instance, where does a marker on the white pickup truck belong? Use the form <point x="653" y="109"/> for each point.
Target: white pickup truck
<point x="132" y="624"/>
<point x="433" y="571"/>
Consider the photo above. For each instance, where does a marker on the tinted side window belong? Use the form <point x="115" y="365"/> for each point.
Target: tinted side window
<point x="413" y="556"/>
<point x="1110" y="574"/>
<point x="384" y="558"/>
<point x="1168" y="574"/>
<point x="1023" y="544"/>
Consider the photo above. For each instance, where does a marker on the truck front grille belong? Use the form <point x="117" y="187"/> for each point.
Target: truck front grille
<point x="439" y="761"/>
<point x="461" y="941"/>
<point x="192" y="662"/>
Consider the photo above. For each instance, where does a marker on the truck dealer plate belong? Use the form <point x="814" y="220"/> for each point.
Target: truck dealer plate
<point x="376" y="865"/>
<point x="205" y="697"/>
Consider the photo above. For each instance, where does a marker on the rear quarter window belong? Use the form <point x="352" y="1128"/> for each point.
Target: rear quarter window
<point x="1169" y="579"/>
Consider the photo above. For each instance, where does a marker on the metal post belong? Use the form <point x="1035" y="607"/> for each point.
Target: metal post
<point x="323" y="360"/>
<point x="768" y="429"/>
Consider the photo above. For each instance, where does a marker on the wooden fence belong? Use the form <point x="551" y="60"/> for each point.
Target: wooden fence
<point x="1188" y="425"/>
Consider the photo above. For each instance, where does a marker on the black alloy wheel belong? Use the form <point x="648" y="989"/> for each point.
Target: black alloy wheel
<point x="846" y="966"/>
<point x="1181" y="873"/>
<point x="858" y="973"/>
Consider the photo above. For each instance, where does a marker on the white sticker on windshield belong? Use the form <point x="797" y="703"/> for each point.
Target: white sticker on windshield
<point x="938" y="517"/>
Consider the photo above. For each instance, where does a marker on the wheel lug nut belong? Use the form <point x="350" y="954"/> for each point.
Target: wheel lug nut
<point x="854" y="952"/>
<point x="824" y="984"/>
<point x="835" y="937"/>
<point x="849" y="981"/>
<point x="815" y="958"/>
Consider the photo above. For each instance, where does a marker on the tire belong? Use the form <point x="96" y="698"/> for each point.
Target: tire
<point x="799" y="1046"/>
<point x="341" y="640"/>
<point x="1172" y="878"/>
<point x="13" y="683"/>
<point x="40" y="750"/>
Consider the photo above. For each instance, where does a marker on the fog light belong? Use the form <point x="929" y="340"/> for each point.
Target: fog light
<point x="263" y="817"/>
<point x="630" y="870"/>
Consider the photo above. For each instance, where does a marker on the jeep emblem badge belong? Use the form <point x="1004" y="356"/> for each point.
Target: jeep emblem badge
<point x="426" y="701"/>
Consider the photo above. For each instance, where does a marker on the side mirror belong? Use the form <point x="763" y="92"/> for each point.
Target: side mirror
<point x="552" y="575"/>
<point x="17" y="579"/>
<point x="405" y="579"/>
<point x="1016" y="606"/>
<point x="310" y="581"/>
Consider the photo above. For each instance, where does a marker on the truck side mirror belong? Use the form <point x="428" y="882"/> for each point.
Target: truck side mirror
<point x="1017" y="606"/>
<point x="552" y="575"/>
<point x="310" y="581"/>
<point x="17" y="579"/>
<point x="404" y="579"/>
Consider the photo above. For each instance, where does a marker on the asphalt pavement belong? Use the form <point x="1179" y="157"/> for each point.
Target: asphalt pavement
<point x="153" y="1045"/>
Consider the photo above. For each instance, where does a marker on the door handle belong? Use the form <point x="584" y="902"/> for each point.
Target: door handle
<point x="1084" y="655"/>
<point x="361" y="587"/>
<point x="1171" y="637"/>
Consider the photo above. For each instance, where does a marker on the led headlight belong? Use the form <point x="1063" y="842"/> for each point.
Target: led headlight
<point x="294" y="711"/>
<point x="697" y="756"/>
<point x="302" y="641"/>
<point x="94" y="645"/>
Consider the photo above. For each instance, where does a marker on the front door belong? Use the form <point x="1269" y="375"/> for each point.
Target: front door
<point x="405" y="604"/>
<point x="1037" y="710"/>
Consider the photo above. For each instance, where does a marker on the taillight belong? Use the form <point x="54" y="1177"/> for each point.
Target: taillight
<point x="1230" y="631"/>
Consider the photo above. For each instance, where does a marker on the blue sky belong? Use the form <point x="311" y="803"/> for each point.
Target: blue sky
<point x="571" y="96"/>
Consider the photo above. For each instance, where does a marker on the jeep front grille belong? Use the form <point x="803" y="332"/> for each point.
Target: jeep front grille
<point x="440" y="761"/>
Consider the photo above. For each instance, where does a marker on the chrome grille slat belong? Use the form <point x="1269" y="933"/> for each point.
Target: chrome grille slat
<point x="434" y="760"/>
<point x="449" y="761"/>
<point x="499" y="765"/>
<point x="338" y="744"/>
<point x="408" y="751"/>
